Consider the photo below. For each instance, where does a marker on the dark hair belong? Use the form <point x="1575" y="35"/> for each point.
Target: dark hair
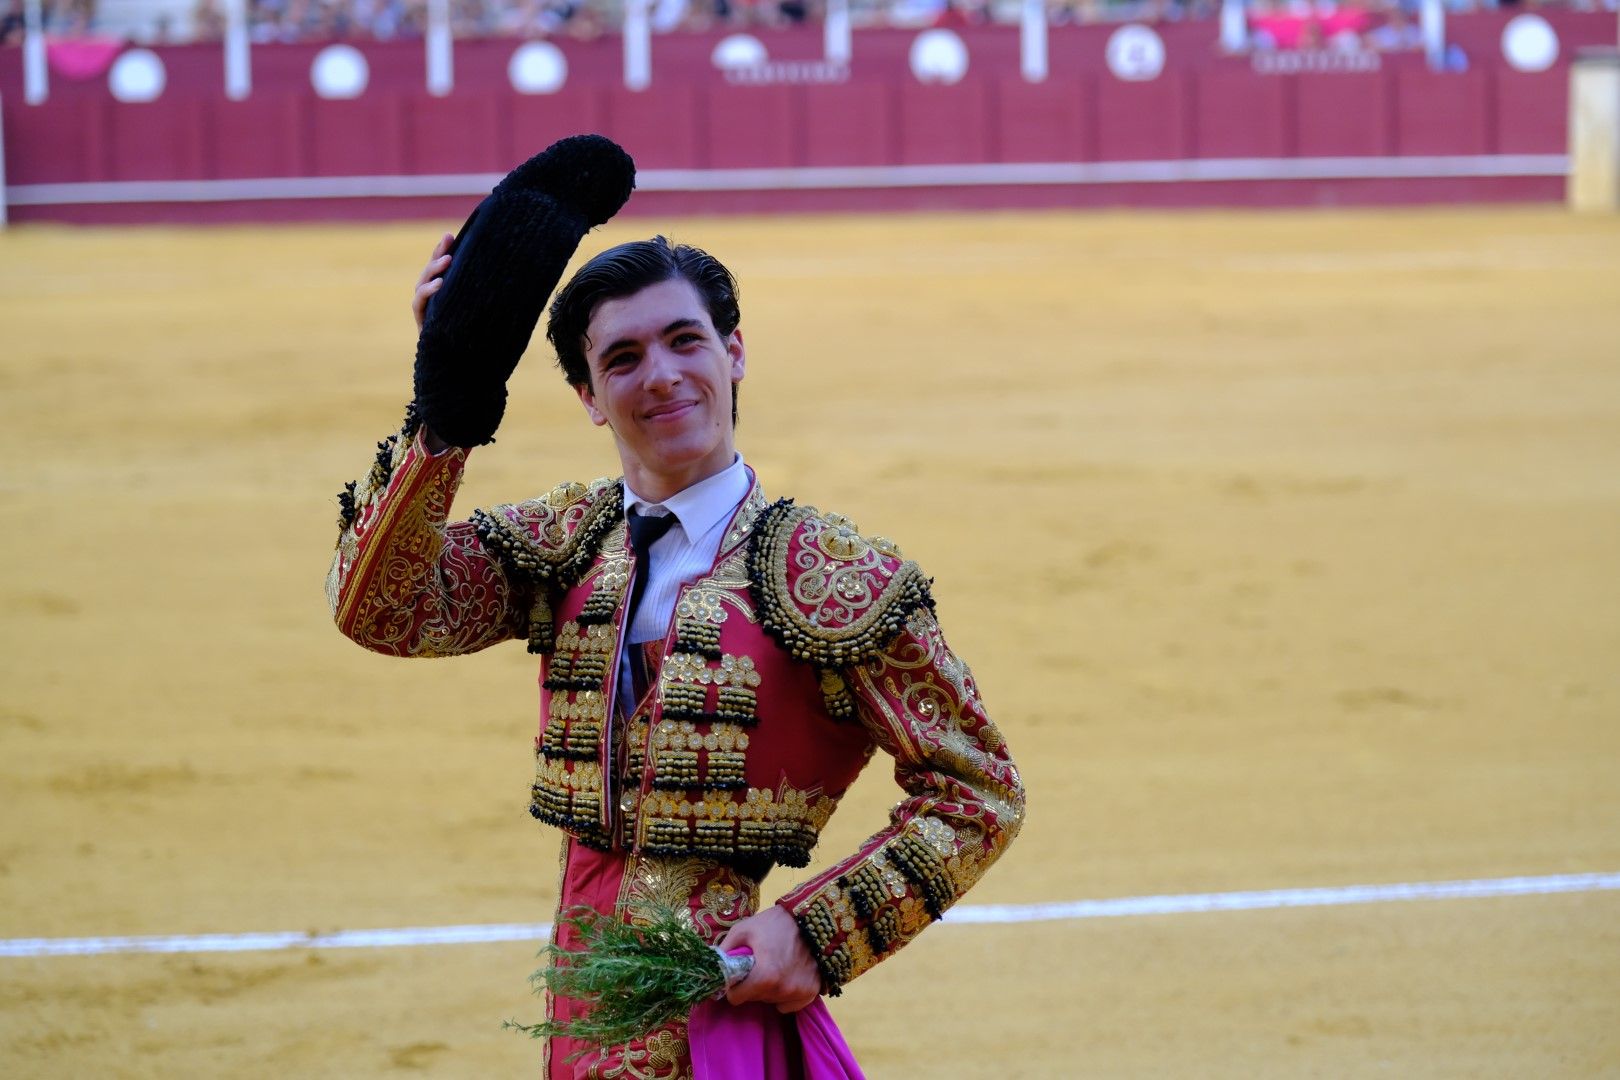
<point x="621" y="271"/>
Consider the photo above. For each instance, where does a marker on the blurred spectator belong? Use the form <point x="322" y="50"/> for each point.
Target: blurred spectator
<point x="916" y="13"/>
<point x="1397" y="34"/>
<point x="543" y="18"/>
<point x="1273" y="24"/>
<point x="12" y="23"/>
<point x="69" y="18"/>
<point x="207" y="22"/>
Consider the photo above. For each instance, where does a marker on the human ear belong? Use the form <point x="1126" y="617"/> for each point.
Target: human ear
<point x="738" y="354"/>
<point x="588" y="399"/>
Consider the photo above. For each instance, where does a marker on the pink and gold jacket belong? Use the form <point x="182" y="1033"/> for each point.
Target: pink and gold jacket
<point x="804" y="648"/>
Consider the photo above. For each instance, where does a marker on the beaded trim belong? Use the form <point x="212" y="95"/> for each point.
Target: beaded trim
<point x="561" y="556"/>
<point x="559" y="561"/>
<point x="868" y="894"/>
<point x="923" y="867"/>
<point x="574" y="728"/>
<point x="819" y="928"/>
<point x="694" y="636"/>
<point x="359" y="493"/>
<point x="568" y="794"/>
<point x="781" y="827"/>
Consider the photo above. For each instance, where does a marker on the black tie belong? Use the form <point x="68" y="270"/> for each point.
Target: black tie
<point x="644" y="532"/>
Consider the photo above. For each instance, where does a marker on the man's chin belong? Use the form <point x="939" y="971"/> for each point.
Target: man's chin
<point x="671" y="457"/>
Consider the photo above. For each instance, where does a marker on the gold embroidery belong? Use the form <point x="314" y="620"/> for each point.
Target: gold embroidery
<point x="685" y="734"/>
<point x="824" y="592"/>
<point x="835" y="692"/>
<point x="404" y="582"/>
<point x="554" y="538"/>
<point x="663" y="1055"/>
<point x="551" y="939"/>
<point x="684" y="668"/>
<point x="565" y="494"/>
<point x="711" y="896"/>
<point x="348" y="549"/>
<point x="724" y="904"/>
<point x="657" y="884"/>
<point x="703" y="604"/>
<point x="360" y="495"/>
<point x="940" y="836"/>
<point x="840" y="540"/>
<point x="782" y="825"/>
<point x="692" y="668"/>
<point x="568" y="794"/>
<point x="743" y="523"/>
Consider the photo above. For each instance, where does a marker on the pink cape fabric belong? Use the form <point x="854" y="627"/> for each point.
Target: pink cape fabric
<point x="755" y="1042"/>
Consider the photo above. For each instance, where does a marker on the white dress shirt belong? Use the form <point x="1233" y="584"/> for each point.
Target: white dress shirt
<point x="686" y="552"/>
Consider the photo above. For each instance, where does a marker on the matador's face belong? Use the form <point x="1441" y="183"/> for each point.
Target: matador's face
<point x="661" y="379"/>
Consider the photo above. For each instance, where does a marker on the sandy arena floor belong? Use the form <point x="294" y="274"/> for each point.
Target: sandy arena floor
<point x="1286" y="548"/>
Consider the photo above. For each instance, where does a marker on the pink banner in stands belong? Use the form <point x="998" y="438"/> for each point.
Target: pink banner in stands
<point x="81" y="58"/>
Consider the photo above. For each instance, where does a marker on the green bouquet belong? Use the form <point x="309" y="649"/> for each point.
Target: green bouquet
<point x="632" y="978"/>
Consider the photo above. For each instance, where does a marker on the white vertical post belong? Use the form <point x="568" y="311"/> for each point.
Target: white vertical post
<point x="1594" y="131"/>
<point x="238" y="66"/>
<point x="1032" y="41"/>
<point x="637" y="44"/>
<point x="36" y="86"/>
<point x="1432" y="22"/>
<point x="441" y="75"/>
<point x="836" y="44"/>
<point x="1234" y="25"/>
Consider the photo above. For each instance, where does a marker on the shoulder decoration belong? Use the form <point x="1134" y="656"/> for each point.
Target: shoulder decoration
<point x="548" y="544"/>
<point x="827" y="594"/>
<point x="553" y="539"/>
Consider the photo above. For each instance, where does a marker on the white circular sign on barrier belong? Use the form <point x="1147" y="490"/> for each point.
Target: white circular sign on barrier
<point x="1135" y="53"/>
<point x="939" y="56"/>
<point x="1529" y="43"/>
<point x="340" y="71"/>
<point x="739" y="51"/>
<point x="137" y="76"/>
<point x="537" y="67"/>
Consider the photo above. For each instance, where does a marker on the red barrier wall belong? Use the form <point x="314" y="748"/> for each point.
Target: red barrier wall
<point x="1203" y="108"/>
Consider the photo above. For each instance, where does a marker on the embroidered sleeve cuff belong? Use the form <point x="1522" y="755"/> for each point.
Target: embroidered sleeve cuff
<point x="875" y="905"/>
<point x="825" y="926"/>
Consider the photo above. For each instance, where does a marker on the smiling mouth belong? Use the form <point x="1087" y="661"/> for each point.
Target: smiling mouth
<point x="670" y="411"/>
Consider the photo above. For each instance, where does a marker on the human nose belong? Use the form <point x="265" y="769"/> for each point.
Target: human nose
<point x="661" y="368"/>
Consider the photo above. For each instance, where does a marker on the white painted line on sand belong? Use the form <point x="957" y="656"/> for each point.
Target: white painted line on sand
<point x="1185" y="904"/>
<point x="1283" y="898"/>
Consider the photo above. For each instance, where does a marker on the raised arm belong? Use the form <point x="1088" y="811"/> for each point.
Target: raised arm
<point x="404" y="580"/>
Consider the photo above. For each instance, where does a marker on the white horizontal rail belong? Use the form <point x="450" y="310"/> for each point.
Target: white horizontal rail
<point x="1194" y="170"/>
<point x="1182" y="904"/>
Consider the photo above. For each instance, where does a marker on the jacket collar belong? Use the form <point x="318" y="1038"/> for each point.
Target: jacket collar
<point x="743" y="520"/>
